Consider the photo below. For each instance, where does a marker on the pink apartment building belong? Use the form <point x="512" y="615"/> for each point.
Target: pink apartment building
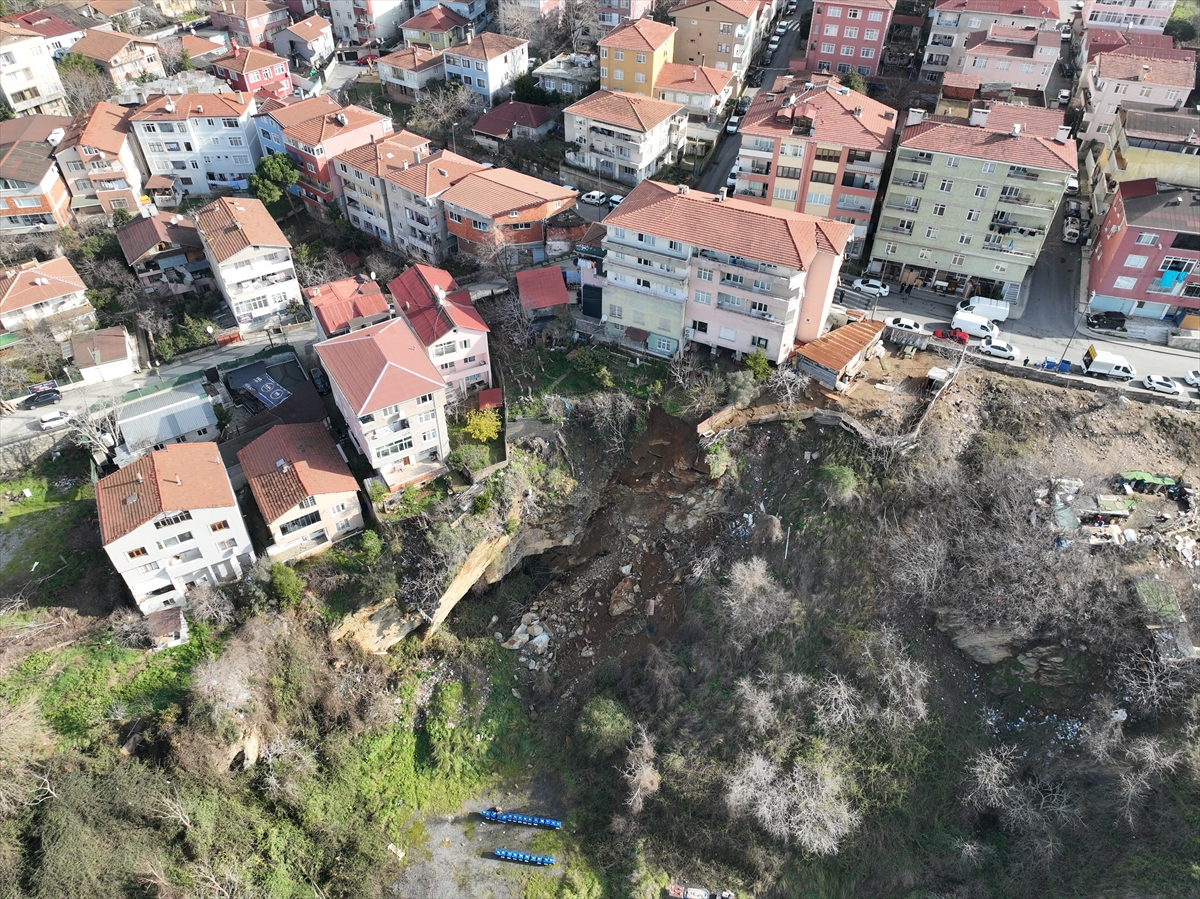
<point x="250" y="22"/>
<point x="614" y="12"/>
<point x="254" y="71"/>
<point x="314" y="142"/>
<point x="849" y="37"/>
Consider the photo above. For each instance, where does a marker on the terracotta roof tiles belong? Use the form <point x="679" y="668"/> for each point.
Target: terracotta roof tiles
<point x="311" y="28"/>
<point x="312" y="467"/>
<point x="379" y="366"/>
<point x="834" y="121"/>
<point x="105" y="126"/>
<point x="439" y="19"/>
<point x="288" y="114"/>
<point x="335" y="304"/>
<point x="142" y="235"/>
<point x="93" y="348"/>
<point x="492" y="192"/>
<point x="984" y="143"/>
<point x="488" y="46"/>
<point x="743" y="8"/>
<point x="318" y="129"/>
<point x="189" y="106"/>
<point x="229" y="225"/>
<point x="1032" y="8"/>
<point x="412" y="59"/>
<point x="416" y="294"/>
<point x="386" y="153"/>
<point x="104" y="45"/>
<point x="679" y="76"/>
<point x="37" y="282"/>
<point x="500" y="120"/>
<point x="433" y="174"/>
<point x="639" y="34"/>
<point x="631" y="111"/>
<point x="42" y="22"/>
<point x="199" y="46"/>
<point x="1133" y="66"/>
<point x="245" y="9"/>
<point x="542" y="288"/>
<point x="248" y="59"/>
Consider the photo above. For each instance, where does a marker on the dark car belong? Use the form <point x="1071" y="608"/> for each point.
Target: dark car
<point x="743" y="105"/>
<point x="952" y="334"/>
<point x="320" y="381"/>
<point x="756" y="79"/>
<point x="43" y="398"/>
<point x="1107" y="321"/>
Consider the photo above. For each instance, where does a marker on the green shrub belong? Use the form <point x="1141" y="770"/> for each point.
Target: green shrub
<point x="370" y="546"/>
<point x="603" y="727"/>
<point x="511" y="526"/>
<point x="757" y="362"/>
<point x="839" y="482"/>
<point x="286" y="585"/>
<point x="483" y="502"/>
<point x="482" y="425"/>
<point x="741" y="388"/>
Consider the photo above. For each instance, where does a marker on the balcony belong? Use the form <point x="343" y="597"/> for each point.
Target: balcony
<point x="264" y="281"/>
<point x="895" y="229"/>
<point x="864" y="168"/>
<point x="903" y="207"/>
<point x="915" y="160"/>
<point x="1026" y="201"/>
<point x="1007" y="250"/>
<point x="757" y="191"/>
<point x="852" y="204"/>
<point x="1023" y="174"/>
<point x="760" y="314"/>
<point x="908" y="182"/>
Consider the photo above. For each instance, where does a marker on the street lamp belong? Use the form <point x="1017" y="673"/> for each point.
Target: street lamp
<point x="209" y="329"/>
<point x="454" y="138"/>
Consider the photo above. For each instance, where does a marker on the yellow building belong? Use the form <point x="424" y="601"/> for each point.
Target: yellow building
<point x="632" y="55"/>
<point x="719" y="34"/>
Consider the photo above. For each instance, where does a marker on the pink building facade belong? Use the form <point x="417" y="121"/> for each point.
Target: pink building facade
<point x="849" y="37"/>
<point x="253" y="23"/>
<point x="314" y="143"/>
<point x="614" y="12"/>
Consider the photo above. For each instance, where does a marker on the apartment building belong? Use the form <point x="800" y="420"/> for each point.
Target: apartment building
<point x="169" y="523"/>
<point x="200" y="141"/>
<point x="633" y="53"/>
<point x="44" y="293"/>
<point x="818" y="149"/>
<point x="1146" y="143"/>
<point x="100" y="163"/>
<point x="251" y="260"/>
<point x="614" y="12"/>
<point x="437" y="28"/>
<point x="307" y="44"/>
<point x="33" y="195"/>
<point x="487" y="64"/>
<point x="474" y="10"/>
<point x="368" y="23"/>
<point x="418" y="216"/>
<point x="849" y="37"/>
<point x="303" y="487"/>
<point x="60" y="34"/>
<point x="702" y="91"/>
<point x="1147" y="16"/>
<point x="339" y="307"/>
<point x="570" y="74"/>
<point x="718" y="33"/>
<point x="359" y="179"/>
<point x="166" y="254"/>
<point x="1104" y="40"/>
<point x="405" y="73"/>
<point x="254" y="71"/>
<point x="122" y="57"/>
<point x="952" y="22"/>
<point x="501" y="209"/>
<point x="624" y="137"/>
<point x="393" y="400"/>
<point x="1145" y="261"/>
<point x="444" y="318"/>
<point x="273" y="115"/>
<point x="1133" y="76"/>
<point x="314" y="142"/>
<point x="1022" y="57"/>
<point x="29" y="81"/>
<point x="682" y="265"/>
<point x="969" y="206"/>
<point x="252" y="23"/>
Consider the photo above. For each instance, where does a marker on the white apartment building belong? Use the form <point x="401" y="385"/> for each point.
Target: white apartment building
<point x="200" y="141"/>
<point x="487" y="63"/>
<point x="359" y="179"/>
<point x="625" y="137"/>
<point x="1146" y="16"/>
<point x="953" y="21"/>
<point x="50" y="293"/>
<point x="251" y="259"/>
<point x="29" y="81"/>
<point x="364" y="21"/>
<point x="1131" y="77"/>
<point x="170" y="522"/>
<point x="415" y="208"/>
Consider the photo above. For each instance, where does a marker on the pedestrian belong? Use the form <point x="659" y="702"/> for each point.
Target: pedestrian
<point x="1025" y="364"/>
<point x="841" y="296"/>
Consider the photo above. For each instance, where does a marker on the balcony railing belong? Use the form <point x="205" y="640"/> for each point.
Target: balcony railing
<point x="265" y="281"/>
<point x="1027" y="176"/>
<point x="915" y="160"/>
<point x="892" y="204"/>
<point x="1007" y="251"/>
<point x="864" y="168"/>
<point x="845" y="205"/>
<point x="907" y="182"/>
<point x="1026" y="201"/>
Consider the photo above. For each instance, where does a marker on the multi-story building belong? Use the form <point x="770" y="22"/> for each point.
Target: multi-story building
<point x="122" y="57"/>
<point x="1146" y="258"/>
<point x="251" y="260"/>
<point x="614" y="12"/>
<point x="633" y="54"/>
<point x="33" y="195"/>
<point x="306" y="45"/>
<point x="166" y="254"/>
<point x="717" y="33"/>
<point x="682" y="265"/>
<point x="45" y="293"/>
<point x="1149" y="16"/>
<point x="1133" y="76"/>
<point x="1144" y="144"/>
<point x="570" y="74"/>
<point x="624" y="137"/>
<point x="1106" y="40"/>
<point x="1022" y="57"/>
<point x="368" y="23"/>
<point x="303" y="488"/>
<point x="437" y="28"/>
<point x="953" y="21"/>
<point x="170" y="522"/>
<point x="487" y="63"/>
<point x="252" y="23"/>
<point x="60" y="34"/>
<point x="501" y="210"/>
<point x="29" y="81"/>
<point x="444" y="318"/>
<point x="99" y="161"/>
<point x="359" y="179"/>
<point x="969" y="206"/>
<point x="254" y="71"/>
<point x="201" y="141"/>
<point x="272" y="116"/>
<point x="849" y="37"/>
<point x="405" y="73"/>
<point x="393" y="400"/>
<point x="350" y="304"/>
<point x="475" y="10"/>
<point x="128" y="12"/>
<point x="703" y="91"/>
<point x="816" y="148"/>
<point x="312" y="143"/>
<point x="414" y="192"/>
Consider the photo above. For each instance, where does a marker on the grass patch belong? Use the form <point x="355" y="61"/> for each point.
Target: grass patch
<point x="33" y="529"/>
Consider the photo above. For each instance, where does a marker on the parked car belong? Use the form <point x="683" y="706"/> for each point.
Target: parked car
<point x="42" y="398"/>
<point x="1193" y="377"/>
<point x="594" y="198"/>
<point x="756" y="79"/>
<point x="767" y="59"/>
<point x="1107" y="321"/>
<point x="791" y="9"/>
<point x="904" y="324"/>
<point x="773" y="44"/>
<point x="1065" y="32"/>
<point x="743" y="105"/>
<point x="954" y="334"/>
<point x="781" y="29"/>
<point x="615" y="200"/>
<point x="59" y="419"/>
<point x="368" y="60"/>
<point x="732" y="126"/>
<point x="1064" y="95"/>
<point x="1159" y="384"/>
<point x="872" y="286"/>
<point x="1072" y="187"/>
<point x="998" y="348"/>
<point x="320" y="382"/>
<point x="731" y="180"/>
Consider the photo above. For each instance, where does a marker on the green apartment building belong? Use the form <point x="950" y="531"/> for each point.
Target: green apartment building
<point x="970" y="202"/>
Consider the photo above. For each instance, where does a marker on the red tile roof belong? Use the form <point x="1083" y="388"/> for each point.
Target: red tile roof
<point x="336" y="303"/>
<point x="639" y="34"/>
<point x="500" y="120"/>
<point x="984" y="143"/>
<point x="93" y="348"/>
<point x="318" y="129"/>
<point x="42" y="22"/>
<point x="631" y="111"/>
<point x="248" y="59"/>
<point x="439" y="19"/>
<point x="1132" y="65"/>
<point x="748" y="230"/>
<point x="311" y="28"/>
<point x="1110" y="40"/>
<point x="104" y="45"/>
<point x="21" y="285"/>
<point x="141" y="235"/>
<point x="199" y="46"/>
<point x="433" y="304"/>
<point x="379" y="366"/>
<point x="831" y="108"/>
<point x="182" y="477"/>
<point x="413" y="59"/>
<point x="433" y="174"/>
<point x="229" y="225"/>
<point x="488" y="46"/>
<point x="286" y="114"/>
<point x="835" y="350"/>
<point x="743" y="8"/>
<point x="682" y="76"/>
<point x="189" y="106"/>
<point x="1036" y="121"/>
<point x="960" y="79"/>
<point x="389" y="152"/>
<point x="1032" y="8"/>
<point x="105" y="127"/>
<point x="541" y="288"/>
<point x="245" y="9"/>
<point x="312" y="467"/>
<point x="492" y="192"/>
<point x="994" y="45"/>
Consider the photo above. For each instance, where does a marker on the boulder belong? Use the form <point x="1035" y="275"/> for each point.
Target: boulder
<point x="622" y="598"/>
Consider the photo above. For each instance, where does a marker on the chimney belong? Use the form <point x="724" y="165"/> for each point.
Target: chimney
<point x="721" y="195"/>
<point x="178" y="481"/>
<point x="1144" y="73"/>
<point x="139" y="477"/>
<point x="889" y="115"/>
<point x="858" y="112"/>
<point x="470" y="37"/>
<point x="1016" y="130"/>
<point x="1063" y="134"/>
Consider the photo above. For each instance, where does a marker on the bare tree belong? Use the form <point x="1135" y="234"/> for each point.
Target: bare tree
<point x="788" y="385"/>
<point x="442" y="106"/>
<point x="640" y="774"/>
<point x="21" y="733"/>
<point x="170" y="51"/>
<point x="614" y="416"/>
<point x="209" y="604"/>
<point x="682" y="368"/>
<point x="520" y="20"/>
<point x="170" y="807"/>
<point x="83" y="90"/>
<point x="902" y="681"/>
<point x="508" y="320"/>
<point x="314" y="269"/>
<point x="838" y="706"/>
<point x="1152" y="684"/>
<point x="753" y="603"/>
<point x="706" y="390"/>
<point x="97" y="428"/>
<point x="756" y="706"/>
<point x="129" y="630"/>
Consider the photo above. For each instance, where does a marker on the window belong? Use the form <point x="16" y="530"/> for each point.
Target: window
<point x="236" y="142"/>
<point x="700" y="327"/>
<point x="951" y="162"/>
<point x="947" y="186"/>
<point x="989" y="168"/>
<point x="724" y="28"/>
<point x="229" y="123"/>
<point x="931" y="233"/>
<point x="297" y="524"/>
<point x="867" y="53"/>
<point x="1125" y="282"/>
<point x="454" y="217"/>
<point x="227" y="544"/>
<point x="964" y="239"/>
<point x="889" y="248"/>
<point x="615" y="311"/>
<point x="1147" y="238"/>
<point x="1003" y="65"/>
<point x="728" y="299"/>
<point x="978" y="63"/>
<point x="428" y="436"/>
<point x="850" y="32"/>
<point x="644" y="283"/>
<point x="478" y="225"/>
<point x="758" y="342"/>
<point x="874" y="16"/>
<point x="618" y="74"/>
<point x="172" y="519"/>
<point x="847" y="50"/>
<point x="924" y="254"/>
<point x="973" y="215"/>
<point x="722" y="48"/>
<point x="137" y="553"/>
<point x="424" y="399"/>
<point x="939" y="209"/>
<point x="957" y="260"/>
<point x="835" y="12"/>
<point x="785" y="193"/>
<point x="831" y="30"/>
<point x="345" y="524"/>
<point x="618" y="55"/>
<point x="219" y="526"/>
<point x="829" y="48"/>
<point x="1133" y="261"/>
<point x="703" y="297"/>
<point x="639" y="77"/>
<point x="727" y="334"/>
<point x="844" y="67"/>
<point x="168" y="542"/>
<point x="148" y="567"/>
<point x="981" y="190"/>
<point x="871" y="34"/>
<point x="823" y="177"/>
<point x="641" y="58"/>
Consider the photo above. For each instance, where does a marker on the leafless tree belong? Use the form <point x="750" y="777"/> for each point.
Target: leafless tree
<point x="788" y="385"/>
<point x="838" y="705"/>
<point x="1149" y="761"/>
<point x="41" y="352"/>
<point x="170" y="807"/>
<point x="83" y="90"/>
<point x="901" y="680"/>
<point x="756" y="705"/>
<point x="442" y="106"/>
<point x="21" y="733"/>
<point x="207" y="603"/>
<point x="1152" y="684"/>
<point x="520" y="20"/>
<point x="614" y="417"/>
<point x="386" y="264"/>
<point x="706" y="390"/>
<point x="170" y="51"/>
<point x="314" y="269"/>
<point x="508" y="320"/>
<point x="640" y="775"/>
<point x="682" y="368"/>
<point x="753" y="603"/>
<point x="95" y="428"/>
<point x="990" y="777"/>
<point x="130" y="631"/>
<point x="579" y="21"/>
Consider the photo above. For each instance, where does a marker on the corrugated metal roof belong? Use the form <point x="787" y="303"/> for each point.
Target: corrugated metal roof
<point x="165" y="415"/>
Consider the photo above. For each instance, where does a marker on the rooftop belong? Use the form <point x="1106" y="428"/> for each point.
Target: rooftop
<point x="1172" y="209"/>
<point x="387" y="153"/>
<point x="494" y="191"/>
<point x="43" y="22"/>
<point x="681" y="76"/>
<point x="143" y="234"/>
<point x="165" y="415"/>
<point x="630" y="111"/>
<point x="500" y="120"/>
<point x="440" y="18"/>
<point x="189" y="106"/>
<point x="838" y="115"/>
<point x="542" y="288"/>
<point x="488" y="46"/>
<point x="37" y="282"/>
<point x="431" y="301"/>
<point x="835" y="350"/>
<point x="24" y="153"/>
<point x="311" y="28"/>
<point x="743" y="8"/>
<point x="993" y="145"/>
<point x="229" y="225"/>
<point x="93" y="348"/>
<point x="1033" y="8"/>
<point x="104" y="45"/>
<point x="198" y="47"/>
<point x="337" y="303"/>
<point x="379" y="366"/>
<point x="105" y="127"/>
<point x="320" y="128"/>
<point x="288" y="111"/>
<point x="245" y="9"/>
<point x="1142" y="65"/>
<point x="412" y="59"/>
<point x="433" y="174"/>
<point x="639" y="34"/>
<point x="1176" y="127"/>
<point x="291" y="462"/>
<point x="248" y="59"/>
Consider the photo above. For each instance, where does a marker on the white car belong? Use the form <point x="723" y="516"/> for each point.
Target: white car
<point x="615" y="200"/>
<point x="1193" y="377"/>
<point x="872" y="286"/>
<point x="773" y="44"/>
<point x="781" y="29"/>
<point x="904" y="324"/>
<point x="731" y="181"/>
<point x="734" y="122"/>
<point x="59" y="419"/>
<point x="998" y="348"/>
<point x="1064" y="96"/>
<point x="1065" y="32"/>
<point x="594" y="198"/>
<point x="1159" y="384"/>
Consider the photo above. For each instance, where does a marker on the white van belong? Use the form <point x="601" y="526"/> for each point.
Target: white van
<point x="975" y="325"/>
<point x="992" y="310"/>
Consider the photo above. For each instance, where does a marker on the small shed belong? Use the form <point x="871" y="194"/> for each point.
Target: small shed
<point x="104" y="355"/>
<point x="834" y="358"/>
<point x="541" y="291"/>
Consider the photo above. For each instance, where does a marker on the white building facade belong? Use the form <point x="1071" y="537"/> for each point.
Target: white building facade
<point x="29" y="81"/>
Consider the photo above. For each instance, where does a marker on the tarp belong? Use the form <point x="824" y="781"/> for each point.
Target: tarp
<point x="267" y="391"/>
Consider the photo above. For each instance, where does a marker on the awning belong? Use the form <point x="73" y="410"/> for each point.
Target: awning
<point x="159" y="182"/>
<point x="637" y="335"/>
<point x="84" y="202"/>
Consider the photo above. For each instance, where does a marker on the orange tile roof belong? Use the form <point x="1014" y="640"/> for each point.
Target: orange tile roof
<point x="835" y="350"/>
<point x="182" y="477"/>
<point x="388" y="152"/>
<point x="981" y="43"/>
<point x="336" y="303"/>
<point x="1130" y="65"/>
<point x="984" y="143"/>
<point x="229" y="225"/>
<point x="1032" y="8"/>
<point x="311" y="28"/>
<point x="142" y="235"/>
<point x="248" y="59"/>
<point x="488" y="46"/>
<point x="960" y="79"/>
<point x="542" y="288"/>
<point x="1034" y="120"/>
<point x="289" y="114"/>
<point x="199" y="46"/>
<point x="105" y="127"/>
<point x="439" y="19"/>
<point x="316" y="130"/>
<point x="433" y="174"/>
<point x="312" y="467"/>
<point x="681" y="76"/>
<point x="832" y="110"/>
<point x="748" y="230"/>
<point x="639" y="34"/>
<point x="743" y="8"/>
<point x="244" y="9"/>
<point x="104" y="45"/>
<point x="20" y="284"/>
<point x="112" y="8"/>
<point x="500" y="120"/>
<point x="379" y="366"/>
<point x="189" y="106"/>
<point x="491" y="192"/>
<point x="416" y="294"/>
<point x="413" y="59"/>
<point x="43" y="22"/>
<point x="631" y="111"/>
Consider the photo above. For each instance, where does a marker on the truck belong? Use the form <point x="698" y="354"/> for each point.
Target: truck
<point x="1072" y="228"/>
<point x="1101" y="364"/>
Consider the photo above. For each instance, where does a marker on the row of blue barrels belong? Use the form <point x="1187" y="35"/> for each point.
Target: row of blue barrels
<point x="511" y="855"/>
<point x="509" y="818"/>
